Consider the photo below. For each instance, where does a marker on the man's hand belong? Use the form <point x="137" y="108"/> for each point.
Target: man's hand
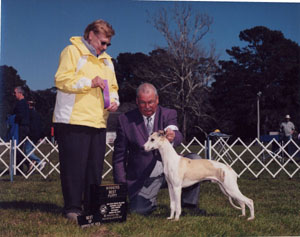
<point x="170" y="134"/>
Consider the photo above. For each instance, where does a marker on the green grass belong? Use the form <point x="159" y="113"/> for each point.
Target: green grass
<point x="33" y="207"/>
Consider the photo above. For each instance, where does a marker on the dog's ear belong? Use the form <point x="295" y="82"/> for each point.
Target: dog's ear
<point x="161" y="133"/>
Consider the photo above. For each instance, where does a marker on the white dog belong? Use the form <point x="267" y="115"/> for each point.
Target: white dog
<point x="182" y="172"/>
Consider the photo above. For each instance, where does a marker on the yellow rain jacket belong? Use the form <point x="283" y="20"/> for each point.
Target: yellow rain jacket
<point x="76" y="102"/>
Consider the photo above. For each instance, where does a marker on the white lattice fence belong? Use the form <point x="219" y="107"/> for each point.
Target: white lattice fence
<point x="108" y="169"/>
<point x="194" y="146"/>
<point x="5" y="149"/>
<point x="258" y="158"/>
<point x="46" y="151"/>
<point x="254" y="158"/>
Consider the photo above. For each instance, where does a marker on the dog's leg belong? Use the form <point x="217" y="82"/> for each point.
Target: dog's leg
<point x="172" y="201"/>
<point x="250" y="204"/>
<point x="243" y="200"/>
<point x="231" y="188"/>
<point x="243" y="206"/>
<point x="226" y="194"/>
<point x="177" y="192"/>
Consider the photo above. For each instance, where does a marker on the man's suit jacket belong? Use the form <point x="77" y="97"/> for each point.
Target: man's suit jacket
<point x="131" y="164"/>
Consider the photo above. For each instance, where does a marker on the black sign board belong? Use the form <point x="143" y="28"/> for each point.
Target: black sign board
<point x="88" y="220"/>
<point x="108" y="204"/>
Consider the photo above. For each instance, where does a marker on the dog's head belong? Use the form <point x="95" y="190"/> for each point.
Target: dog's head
<point x="154" y="140"/>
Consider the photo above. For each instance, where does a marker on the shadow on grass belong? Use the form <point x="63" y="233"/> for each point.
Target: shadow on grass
<point x="163" y="211"/>
<point x="23" y="205"/>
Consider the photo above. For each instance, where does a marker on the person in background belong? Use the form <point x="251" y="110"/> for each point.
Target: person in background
<point x="287" y="128"/>
<point x="35" y="134"/>
<point x="142" y="171"/>
<point x="52" y="135"/>
<point x="21" y="112"/>
<point x="84" y="77"/>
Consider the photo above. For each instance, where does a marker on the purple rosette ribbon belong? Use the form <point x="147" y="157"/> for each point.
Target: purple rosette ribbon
<point x="105" y="93"/>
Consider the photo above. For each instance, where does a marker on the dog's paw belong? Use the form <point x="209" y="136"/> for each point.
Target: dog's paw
<point x="250" y="218"/>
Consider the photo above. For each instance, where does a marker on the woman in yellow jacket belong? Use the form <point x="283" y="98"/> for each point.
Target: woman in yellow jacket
<point x="87" y="92"/>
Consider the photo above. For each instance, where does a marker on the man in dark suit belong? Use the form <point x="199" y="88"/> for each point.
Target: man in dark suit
<point x="143" y="171"/>
<point x="35" y="133"/>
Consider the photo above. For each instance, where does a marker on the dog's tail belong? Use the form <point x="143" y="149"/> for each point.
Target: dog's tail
<point x="232" y="204"/>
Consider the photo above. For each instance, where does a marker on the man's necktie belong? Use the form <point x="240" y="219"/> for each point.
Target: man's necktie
<point x="149" y="125"/>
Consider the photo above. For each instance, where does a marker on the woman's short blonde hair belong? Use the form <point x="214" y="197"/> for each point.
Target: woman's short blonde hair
<point x="99" y="26"/>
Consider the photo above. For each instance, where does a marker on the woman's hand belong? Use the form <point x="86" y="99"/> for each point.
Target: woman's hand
<point x="98" y="82"/>
<point x="113" y="107"/>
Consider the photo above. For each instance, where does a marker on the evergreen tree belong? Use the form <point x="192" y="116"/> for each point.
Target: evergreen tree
<point x="269" y="64"/>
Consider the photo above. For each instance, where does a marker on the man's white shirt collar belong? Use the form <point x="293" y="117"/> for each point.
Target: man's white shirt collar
<point x="146" y="118"/>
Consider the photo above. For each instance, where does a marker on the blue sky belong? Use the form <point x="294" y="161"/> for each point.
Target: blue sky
<point x="33" y="32"/>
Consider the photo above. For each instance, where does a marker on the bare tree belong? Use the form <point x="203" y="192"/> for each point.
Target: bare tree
<point x="184" y="69"/>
